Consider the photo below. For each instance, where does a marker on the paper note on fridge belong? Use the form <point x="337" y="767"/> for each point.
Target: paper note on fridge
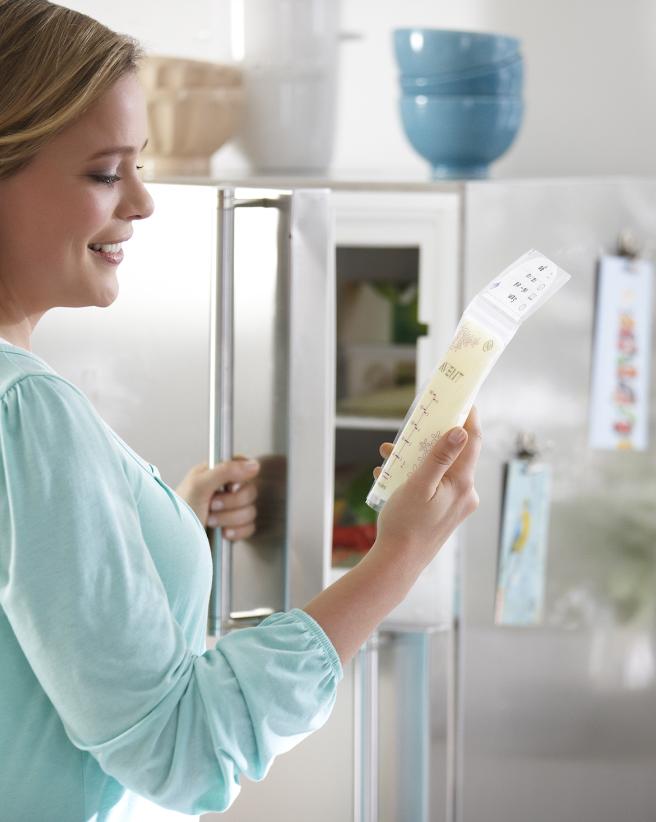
<point x="487" y="325"/>
<point x="619" y="398"/>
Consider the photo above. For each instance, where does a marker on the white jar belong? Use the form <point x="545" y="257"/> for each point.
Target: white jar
<point x="289" y="119"/>
<point x="290" y="33"/>
<point x="290" y="84"/>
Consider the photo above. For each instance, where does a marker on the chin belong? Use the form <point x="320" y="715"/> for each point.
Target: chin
<point x="102" y="293"/>
<point x="107" y="298"/>
<point x="95" y="297"/>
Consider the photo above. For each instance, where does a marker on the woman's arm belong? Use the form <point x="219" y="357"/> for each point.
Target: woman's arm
<point x="414" y="524"/>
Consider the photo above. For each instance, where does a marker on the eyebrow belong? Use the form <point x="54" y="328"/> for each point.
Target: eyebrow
<point x="117" y="150"/>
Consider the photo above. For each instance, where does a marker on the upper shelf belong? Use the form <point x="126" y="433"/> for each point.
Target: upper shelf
<point x="367" y="263"/>
<point x="366" y="181"/>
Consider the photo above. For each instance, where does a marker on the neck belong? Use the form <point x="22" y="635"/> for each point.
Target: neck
<point x="17" y="318"/>
<point x="16" y="335"/>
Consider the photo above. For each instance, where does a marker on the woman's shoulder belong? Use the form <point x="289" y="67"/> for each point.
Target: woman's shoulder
<point x="32" y="394"/>
<point x="21" y="368"/>
<point x="19" y="364"/>
<point x="54" y="415"/>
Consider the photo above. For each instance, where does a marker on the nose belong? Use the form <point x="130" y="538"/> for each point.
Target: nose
<point x="137" y="204"/>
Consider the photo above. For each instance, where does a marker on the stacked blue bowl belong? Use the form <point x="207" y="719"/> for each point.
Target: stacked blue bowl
<point x="461" y="97"/>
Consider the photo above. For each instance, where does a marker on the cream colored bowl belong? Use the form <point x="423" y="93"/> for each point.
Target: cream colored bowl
<point x="193" y="109"/>
<point x="178" y="72"/>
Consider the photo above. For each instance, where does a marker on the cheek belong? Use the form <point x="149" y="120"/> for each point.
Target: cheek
<point x="93" y="211"/>
<point x="84" y="214"/>
<point x="28" y="225"/>
<point x="61" y="220"/>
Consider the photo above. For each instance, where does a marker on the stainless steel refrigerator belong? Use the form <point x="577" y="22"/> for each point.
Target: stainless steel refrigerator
<point x="473" y="722"/>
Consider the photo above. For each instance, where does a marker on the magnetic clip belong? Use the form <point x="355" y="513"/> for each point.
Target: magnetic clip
<point x="526" y="447"/>
<point x="628" y="245"/>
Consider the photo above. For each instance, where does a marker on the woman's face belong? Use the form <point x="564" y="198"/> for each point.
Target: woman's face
<point x="81" y="190"/>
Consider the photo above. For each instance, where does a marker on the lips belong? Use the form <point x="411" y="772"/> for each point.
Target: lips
<point x="114" y="257"/>
<point x="110" y="251"/>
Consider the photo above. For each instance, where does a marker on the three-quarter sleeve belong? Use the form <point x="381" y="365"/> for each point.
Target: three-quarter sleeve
<point x="82" y="594"/>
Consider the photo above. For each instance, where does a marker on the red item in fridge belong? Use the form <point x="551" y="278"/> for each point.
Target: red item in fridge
<point x="358" y="537"/>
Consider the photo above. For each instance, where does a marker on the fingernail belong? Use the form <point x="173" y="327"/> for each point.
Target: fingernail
<point x="251" y="465"/>
<point x="229" y="534"/>
<point x="212" y="521"/>
<point x="457" y="436"/>
<point x="235" y="487"/>
<point x="216" y="505"/>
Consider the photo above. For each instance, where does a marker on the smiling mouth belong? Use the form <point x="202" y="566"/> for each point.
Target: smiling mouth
<point x="111" y="253"/>
<point x="107" y="248"/>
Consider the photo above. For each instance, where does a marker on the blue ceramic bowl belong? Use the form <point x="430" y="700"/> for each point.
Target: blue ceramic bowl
<point x="460" y="136"/>
<point x="506" y="79"/>
<point x="422" y="52"/>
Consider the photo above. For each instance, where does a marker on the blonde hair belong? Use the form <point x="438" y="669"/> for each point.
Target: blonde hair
<point x="54" y="64"/>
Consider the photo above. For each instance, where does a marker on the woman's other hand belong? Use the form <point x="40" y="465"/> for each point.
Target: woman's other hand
<point x="223" y="496"/>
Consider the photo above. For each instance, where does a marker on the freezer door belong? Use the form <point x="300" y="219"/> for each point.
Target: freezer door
<point x="558" y="720"/>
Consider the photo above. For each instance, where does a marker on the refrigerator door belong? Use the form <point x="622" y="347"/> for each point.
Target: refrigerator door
<point x="272" y="364"/>
<point x="557" y="720"/>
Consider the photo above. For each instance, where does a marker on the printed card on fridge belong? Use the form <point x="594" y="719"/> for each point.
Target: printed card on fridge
<point x="523" y="549"/>
<point x="619" y="398"/>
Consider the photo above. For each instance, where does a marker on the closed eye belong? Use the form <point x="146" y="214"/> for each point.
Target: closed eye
<point x="107" y="179"/>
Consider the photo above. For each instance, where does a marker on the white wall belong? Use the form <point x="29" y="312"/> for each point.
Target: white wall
<point x="590" y="87"/>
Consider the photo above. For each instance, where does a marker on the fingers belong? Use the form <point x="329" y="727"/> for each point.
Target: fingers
<point x="231" y="519"/>
<point x="235" y="534"/>
<point x="234" y="511"/>
<point x="230" y="473"/>
<point x="225" y="501"/>
<point x="241" y="533"/>
<point x="464" y="468"/>
<point x="460" y="468"/>
<point x="384" y="450"/>
<point x="439" y="459"/>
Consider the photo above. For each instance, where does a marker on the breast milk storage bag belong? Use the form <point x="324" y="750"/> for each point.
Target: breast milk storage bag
<point x="488" y="324"/>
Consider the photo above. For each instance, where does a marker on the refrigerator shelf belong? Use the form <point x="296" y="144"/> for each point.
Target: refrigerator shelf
<point x="369" y="423"/>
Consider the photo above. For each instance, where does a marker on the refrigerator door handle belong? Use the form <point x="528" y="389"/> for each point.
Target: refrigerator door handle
<point x="221" y="617"/>
<point x="221" y="400"/>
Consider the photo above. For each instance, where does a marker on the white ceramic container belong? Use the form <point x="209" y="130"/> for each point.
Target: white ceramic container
<point x="290" y="81"/>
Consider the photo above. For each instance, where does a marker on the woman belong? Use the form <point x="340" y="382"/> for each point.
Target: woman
<point x="109" y="702"/>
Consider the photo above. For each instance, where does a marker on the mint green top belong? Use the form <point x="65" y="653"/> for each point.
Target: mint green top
<point x="109" y="700"/>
